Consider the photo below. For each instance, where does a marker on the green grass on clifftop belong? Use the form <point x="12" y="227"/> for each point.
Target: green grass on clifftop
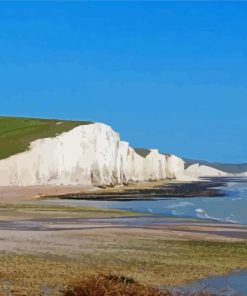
<point x="142" y="152"/>
<point x="16" y="133"/>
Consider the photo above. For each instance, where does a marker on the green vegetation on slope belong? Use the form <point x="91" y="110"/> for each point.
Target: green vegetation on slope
<point x="17" y="133"/>
<point x="148" y="261"/>
<point x="142" y="152"/>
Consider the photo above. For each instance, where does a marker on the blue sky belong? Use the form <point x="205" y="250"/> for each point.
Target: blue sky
<point x="170" y="75"/>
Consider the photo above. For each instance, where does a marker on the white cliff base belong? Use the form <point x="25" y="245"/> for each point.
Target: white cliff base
<point x="244" y="174"/>
<point x="87" y="155"/>
<point x="198" y="171"/>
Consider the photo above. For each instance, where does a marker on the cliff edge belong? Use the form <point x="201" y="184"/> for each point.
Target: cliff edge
<point x="90" y="154"/>
<point x="196" y="170"/>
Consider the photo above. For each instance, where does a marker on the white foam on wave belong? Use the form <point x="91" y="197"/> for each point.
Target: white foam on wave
<point x="181" y="204"/>
<point x="236" y="198"/>
<point x="203" y="215"/>
<point x="230" y="220"/>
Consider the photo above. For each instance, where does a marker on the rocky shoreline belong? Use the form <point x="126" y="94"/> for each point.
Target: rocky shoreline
<point x="201" y="188"/>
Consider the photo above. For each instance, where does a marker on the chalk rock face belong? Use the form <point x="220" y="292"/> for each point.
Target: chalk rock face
<point x="87" y="155"/>
<point x="244" y="174"/>
<point x="197" y="170"/>
<point x="175" y="167"/>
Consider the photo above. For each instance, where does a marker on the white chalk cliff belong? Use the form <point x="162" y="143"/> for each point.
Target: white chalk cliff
<point x="197" y="171"/>
<point x="244" y="174"/>
<point x="86" y="155"/>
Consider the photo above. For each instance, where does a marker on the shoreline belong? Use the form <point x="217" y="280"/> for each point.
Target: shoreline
<point x="27" y="193"/>
<point x="10" y="194"/>
<point x="171" y="254"/>
<point x="207" y="187"/>
<point x="123" y="222"/>
<point x="49" y="245"/>
<point x="150" y="190"/>
<point x="35" y="216"/>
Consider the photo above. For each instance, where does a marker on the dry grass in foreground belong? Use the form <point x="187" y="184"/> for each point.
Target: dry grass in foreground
<point x="149" y="261"/>
<point x="102" y="285"/>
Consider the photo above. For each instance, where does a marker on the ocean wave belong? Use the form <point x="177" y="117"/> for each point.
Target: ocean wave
<point x="200" y="213"/>
<point x="181" y="204"/>
<point x="230" y="220"/>
<point x="236" y="198"/>
<point x="180" y="214"/>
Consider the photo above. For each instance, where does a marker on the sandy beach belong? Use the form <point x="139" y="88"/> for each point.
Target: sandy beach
<point x="138" y="190"/>
<point x="20" y="193"/>
<point x="49" y="248"/>
<point x="44" y="248"/>
<point x="15" y="194"/>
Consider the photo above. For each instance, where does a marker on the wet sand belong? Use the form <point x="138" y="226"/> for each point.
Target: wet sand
<point x="28" y="219"/>
<point x="49" y="247"/>
<point x="147" y="225"/>
<point x="24" y="219"/>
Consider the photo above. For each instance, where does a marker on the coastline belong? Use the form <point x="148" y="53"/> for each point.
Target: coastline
<point x="49" y="244"/>
<point x="150" y="190"/>
<point x="56" y="250"/>
<point x="139" y="190"/>
<point x="27" y="193"/>
<point x="9" y="194"/>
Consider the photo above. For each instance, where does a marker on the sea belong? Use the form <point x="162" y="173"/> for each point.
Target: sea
<point x="231" y="208"/>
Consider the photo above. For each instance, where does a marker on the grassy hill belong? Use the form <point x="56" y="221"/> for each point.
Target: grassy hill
<point x="233" y="168"/>
<point x="17" y="133"/>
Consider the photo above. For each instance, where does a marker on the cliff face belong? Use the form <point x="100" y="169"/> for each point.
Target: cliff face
<point x="88" y="154"/>
<point x="242" y="174"/>
<point x="197" y="170"/>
